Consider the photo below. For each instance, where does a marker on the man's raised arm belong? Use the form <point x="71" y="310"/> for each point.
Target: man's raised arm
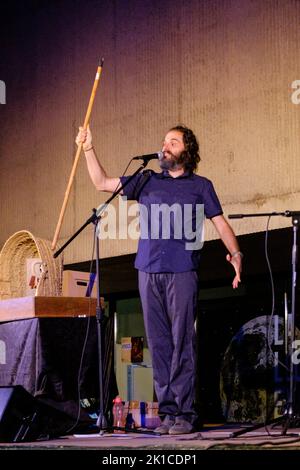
<point x="98" y="175"/>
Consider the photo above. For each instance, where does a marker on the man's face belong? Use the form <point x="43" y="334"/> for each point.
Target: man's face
<point x="172" y="149"/>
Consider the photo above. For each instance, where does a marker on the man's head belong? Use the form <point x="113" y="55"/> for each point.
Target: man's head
<point x="180" y="149"/>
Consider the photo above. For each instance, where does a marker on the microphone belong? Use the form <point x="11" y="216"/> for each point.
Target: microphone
<point x="151" y="156"/>
<point x="235" y="216"/>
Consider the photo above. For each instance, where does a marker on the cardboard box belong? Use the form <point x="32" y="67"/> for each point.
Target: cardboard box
<point x="132" y="349"/>
<point x="140" y="382"/>
<point x="75" y="284"/>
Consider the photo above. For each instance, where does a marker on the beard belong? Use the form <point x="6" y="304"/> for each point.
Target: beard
<point x="172" y="163"/>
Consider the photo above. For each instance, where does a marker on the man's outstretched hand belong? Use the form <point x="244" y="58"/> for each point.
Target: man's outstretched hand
<point x="236" y="262"/>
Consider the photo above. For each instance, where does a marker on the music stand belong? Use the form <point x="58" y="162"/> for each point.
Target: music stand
<point x="95" y="219"/>
<point x="289" y="414"/>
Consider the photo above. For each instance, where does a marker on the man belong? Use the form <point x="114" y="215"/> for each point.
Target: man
<point x="168" y="281"/>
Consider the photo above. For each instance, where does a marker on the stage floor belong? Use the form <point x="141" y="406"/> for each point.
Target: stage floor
<point x="215" y="437"/>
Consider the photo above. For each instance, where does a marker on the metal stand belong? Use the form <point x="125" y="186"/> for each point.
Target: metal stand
<point x="289" y="415"/>
<point x="101" y="421"/>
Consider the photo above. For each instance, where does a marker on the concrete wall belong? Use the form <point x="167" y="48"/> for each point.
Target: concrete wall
<point x="223" y="67"/>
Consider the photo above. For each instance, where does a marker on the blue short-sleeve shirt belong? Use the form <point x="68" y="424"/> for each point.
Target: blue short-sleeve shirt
<point x="170" y="211"/>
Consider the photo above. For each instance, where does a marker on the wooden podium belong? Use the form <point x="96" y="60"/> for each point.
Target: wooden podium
<point x="41" y="348"/>
<point x="22" y="308"/>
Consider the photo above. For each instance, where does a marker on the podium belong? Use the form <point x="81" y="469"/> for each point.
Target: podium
<point x="22" y="308"/>
<point x="41" y="343"/>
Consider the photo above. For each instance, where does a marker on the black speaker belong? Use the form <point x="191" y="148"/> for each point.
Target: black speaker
<point x="24" y="418"/>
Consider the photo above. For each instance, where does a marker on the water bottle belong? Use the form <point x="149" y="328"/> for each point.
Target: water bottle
<point x="118" y="412"/>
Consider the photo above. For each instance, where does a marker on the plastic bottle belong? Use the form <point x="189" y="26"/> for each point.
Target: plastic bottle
<point x="118" y="412"/>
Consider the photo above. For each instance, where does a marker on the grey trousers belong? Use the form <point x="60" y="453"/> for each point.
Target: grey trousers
<point x="169" y="302"/>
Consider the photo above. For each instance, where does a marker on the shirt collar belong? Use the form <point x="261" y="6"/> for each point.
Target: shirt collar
<point x="166" y="174"/>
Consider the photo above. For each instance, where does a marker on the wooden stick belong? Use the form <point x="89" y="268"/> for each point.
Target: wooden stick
<point x="76" y="160"/>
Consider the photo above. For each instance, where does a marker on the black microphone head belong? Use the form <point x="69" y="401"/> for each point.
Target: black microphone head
<point x="151" y="156"/>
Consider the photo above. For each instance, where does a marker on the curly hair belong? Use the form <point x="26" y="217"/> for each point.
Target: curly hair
<point x="190" y="156"/>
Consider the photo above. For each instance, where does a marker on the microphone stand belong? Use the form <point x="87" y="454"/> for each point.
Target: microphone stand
<point x="289" y="414"/>
<point x="95" y="219"/>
